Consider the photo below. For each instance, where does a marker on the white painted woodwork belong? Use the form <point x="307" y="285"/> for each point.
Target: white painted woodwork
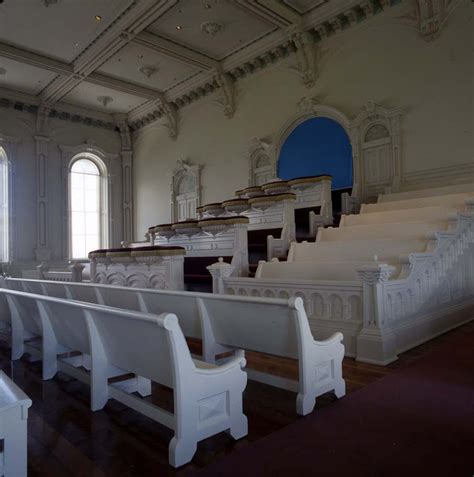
<point x="406" y="230"/>
<point x="451" y="200"/>
<point x="14" y="404"/>
<point x="421" y="288"/>
<point x="225" y="323"/>
<point x="430" y="214"/>
<point x="161" y="272"/>
<point x="228" y="240"/>
<point x="114" y="342"/>
<point x="356" y="250"/>
<point x="427" y="192"/>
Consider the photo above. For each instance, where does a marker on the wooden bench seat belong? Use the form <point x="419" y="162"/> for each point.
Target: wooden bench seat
<point x="311" y="271"/>
<point x="228" y="323"/>
<point x="452" y="200"/>
<point x="430" y="192"/>
<point x="422" y="214"/>
<point x="115" y="342"/>
<point x="355" y="250"/>
<point x="411" y="230"/>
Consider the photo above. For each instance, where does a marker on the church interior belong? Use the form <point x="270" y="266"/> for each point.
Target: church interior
<point x="250" y="246"/>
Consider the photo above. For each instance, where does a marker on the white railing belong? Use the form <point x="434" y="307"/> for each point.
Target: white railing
<point x="378" y="316"/>
<point x="330" y="306"/>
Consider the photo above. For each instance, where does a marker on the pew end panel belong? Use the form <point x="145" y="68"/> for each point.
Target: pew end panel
<point x="275" y="327"/>
<point x="207" y="398"/>
<point x="14" y="404"/>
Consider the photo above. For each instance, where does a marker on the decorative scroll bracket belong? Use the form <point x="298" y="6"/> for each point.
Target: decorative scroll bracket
<point x="305" y="54"/>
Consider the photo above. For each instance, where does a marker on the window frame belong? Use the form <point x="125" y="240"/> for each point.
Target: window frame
<point x="104" y="233"/>
<point x="5" y="177"/>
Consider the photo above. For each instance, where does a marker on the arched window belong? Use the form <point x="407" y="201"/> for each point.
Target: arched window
<point x="88" y="207"/>
<point x="4" y="216"/>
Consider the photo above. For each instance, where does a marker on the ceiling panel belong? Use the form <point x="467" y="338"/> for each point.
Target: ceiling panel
<point x="61" y="30"/>
<point x="157" y="71"/>
<point x="213" y="27"/>
<point x="304" y="6"/>
<point x="24" y="78"/>
<point x="87" y="95"/>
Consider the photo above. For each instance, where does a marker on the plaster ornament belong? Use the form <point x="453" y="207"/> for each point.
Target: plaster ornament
<point x="305" y="55"/>
<point x="148" y="71"/>
<point x="212" y="27"/>
<point x="104" y="100"/>
<point x="227" y="88"/>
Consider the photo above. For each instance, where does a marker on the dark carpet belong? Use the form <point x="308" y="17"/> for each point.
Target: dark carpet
<point x="418" y="421"/>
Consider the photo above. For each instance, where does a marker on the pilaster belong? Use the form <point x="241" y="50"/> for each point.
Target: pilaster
<point x="43" y="250"/>
<point x="126" y="154"/>
<point x="376" y="343"/>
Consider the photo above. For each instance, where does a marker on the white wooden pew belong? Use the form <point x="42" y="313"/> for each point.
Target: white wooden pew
<point x="312" y="271"/>
<point x="407" y="230"/>
<point x="432" y="192"/>
<point x="422" y="214"/>
<point x="355" y="250"/>
<point x="223" y="322"/>
<point x="14" y="404"/>
<point x="207" y="398"/>
<point x="453" y="200"/>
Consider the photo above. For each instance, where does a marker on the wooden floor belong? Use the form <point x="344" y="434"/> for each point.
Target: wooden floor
<point x="67" y="439"/>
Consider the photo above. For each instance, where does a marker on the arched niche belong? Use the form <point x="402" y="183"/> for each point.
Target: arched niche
<point x="185" y="191"/>
<point x="262" y="163"/>
<point x="317" y="146"/>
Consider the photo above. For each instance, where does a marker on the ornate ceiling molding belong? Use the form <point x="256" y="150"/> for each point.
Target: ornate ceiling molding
<point x="305" y="50"/>
<point x="430" y="16"/>
<point x="228" y="93"/>
<point x="303" y="43"/>
<point x="296" y="34"/>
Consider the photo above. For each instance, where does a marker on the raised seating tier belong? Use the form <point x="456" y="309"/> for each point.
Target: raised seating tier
<point x="356" y="250"/>
<point x="393" y="230"/>
<point x="311" y="271"/>
<point x="388" y="279"/>
<point x="422" y="214"/>
<point x="453" y="200"/>
<point x="432" y="192"/>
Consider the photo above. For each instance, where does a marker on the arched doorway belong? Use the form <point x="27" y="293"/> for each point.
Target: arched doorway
<point x="317" y="146"/>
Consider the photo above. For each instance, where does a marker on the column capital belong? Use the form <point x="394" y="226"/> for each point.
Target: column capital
<point x="375" y="273"/>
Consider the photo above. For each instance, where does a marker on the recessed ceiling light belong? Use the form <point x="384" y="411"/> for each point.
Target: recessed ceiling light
<point x="179" y="27"/>
<point x="76" y="44"/>
<point x="98" y="18"/>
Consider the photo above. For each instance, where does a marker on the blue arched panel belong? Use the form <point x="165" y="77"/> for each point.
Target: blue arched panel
<point x="317" y="146"/>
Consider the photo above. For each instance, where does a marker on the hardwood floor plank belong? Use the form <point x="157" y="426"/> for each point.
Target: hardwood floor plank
<point x="66" y="438"/>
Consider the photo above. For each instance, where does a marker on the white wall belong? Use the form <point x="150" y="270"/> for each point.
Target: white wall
<point x="382" y="59"/>
<point x="22" y="125"/>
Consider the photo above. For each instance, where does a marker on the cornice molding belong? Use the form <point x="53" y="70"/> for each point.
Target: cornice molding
<point x="321" y="23"/>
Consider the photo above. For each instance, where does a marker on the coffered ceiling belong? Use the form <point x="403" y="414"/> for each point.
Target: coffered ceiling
<point x="118" y="56"/>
